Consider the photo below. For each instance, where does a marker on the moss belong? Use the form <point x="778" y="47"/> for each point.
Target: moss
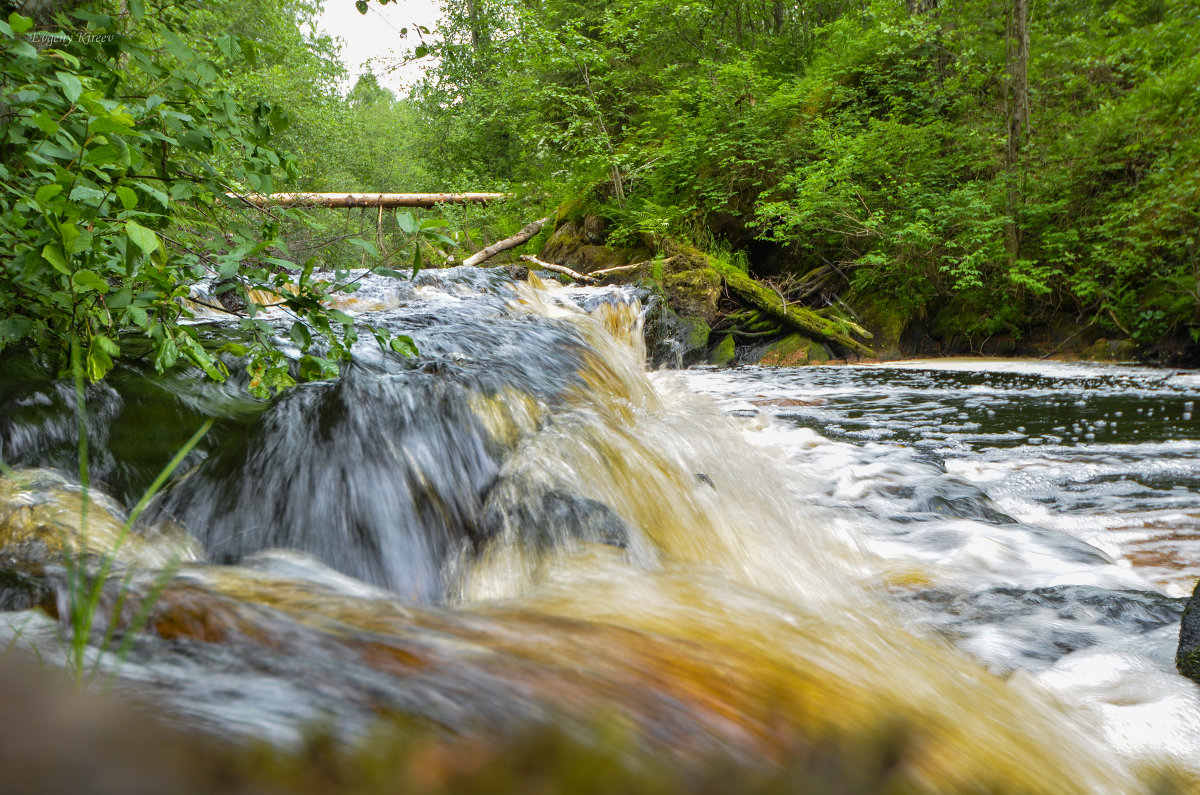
<point x="1105" y="350"/>
<point x="724" y="353"/>
<point x="887" y="323"/>
<point x="1189" y="664"/>
<point x="568" y="246"/>
<point x="694" y="292"/>
<point x="694" y="332"/>
<point x="794" y="350"/>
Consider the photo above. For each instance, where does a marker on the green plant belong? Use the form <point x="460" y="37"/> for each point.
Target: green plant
<point x="86" y="577"/>
<point x="119" y="158"/>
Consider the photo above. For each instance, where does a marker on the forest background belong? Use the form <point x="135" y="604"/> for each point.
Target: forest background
<point x="957" y="171"/>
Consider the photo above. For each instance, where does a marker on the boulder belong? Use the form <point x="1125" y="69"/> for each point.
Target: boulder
<point x="40" y="522"/>
<point x="794" y="350"/>
<point x="724" y="353"/>
<point x="694" y="292"/>
<point x="1187" y="655"/>
<point x="570" y="245"/>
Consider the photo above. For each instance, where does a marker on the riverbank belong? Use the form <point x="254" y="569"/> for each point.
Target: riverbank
<point x="716" y="309"/>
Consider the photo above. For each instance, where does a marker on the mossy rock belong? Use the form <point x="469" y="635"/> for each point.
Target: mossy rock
<point x="1106" y="350"/>
<point x="568" y="246"/>
<point x="567" y="237"/>
<point x="724" y="353"/>
<point x="40" y="522"/>
<point x="794" y="350"/>
<point x="1187" y="655"/>
<point x="694" y="292"/>
<point x="887" y="324"/>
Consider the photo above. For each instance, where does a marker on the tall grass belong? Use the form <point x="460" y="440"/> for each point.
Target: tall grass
<point x="83" y="591"/>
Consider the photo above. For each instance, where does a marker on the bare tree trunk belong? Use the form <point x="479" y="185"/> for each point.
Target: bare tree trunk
<point x="921" y="6"/>
<point x="1017" y="107"/>
<point x="537" y="264"/>
<point x="365" y="199"/>
<point x="527" y="231"/>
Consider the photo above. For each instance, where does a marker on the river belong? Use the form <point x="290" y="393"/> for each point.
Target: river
<point x="524" y="526"/>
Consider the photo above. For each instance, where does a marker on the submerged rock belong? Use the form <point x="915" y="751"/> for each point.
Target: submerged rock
<point x="40" y="522"/>
<point x="556" y="517"/>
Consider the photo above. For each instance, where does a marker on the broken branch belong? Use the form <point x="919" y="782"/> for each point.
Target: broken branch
<point x="538" y="264"/>
<point x="527" y="231"/>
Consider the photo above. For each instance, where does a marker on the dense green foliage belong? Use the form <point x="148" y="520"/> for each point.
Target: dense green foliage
<point x="850" y="152"/>
<point x="868" y="139"/>
<point x="122" y="136"/>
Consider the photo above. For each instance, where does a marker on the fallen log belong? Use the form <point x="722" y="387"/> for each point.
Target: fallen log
<point x="527" y="231"/>
<point x="803" y="320"/>
<point x="538" y="264"/>
<point x="619" y="269"/>
<point x="381" y="200"/>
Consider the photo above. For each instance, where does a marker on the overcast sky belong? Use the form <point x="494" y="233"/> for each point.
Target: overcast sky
<point x="374" y="38"/>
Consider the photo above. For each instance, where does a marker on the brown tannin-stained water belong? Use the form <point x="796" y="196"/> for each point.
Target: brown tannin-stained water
<point x="523" y="526"/>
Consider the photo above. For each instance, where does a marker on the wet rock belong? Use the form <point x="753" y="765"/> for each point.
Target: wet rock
<point x="22" y="591"/>
<point x="948" y="496"/>
<point x="1105" y="350"/>
<point x="724" y="353"/>
<point x="571" y="245"/>
<point x="555" y="517"/>
<point x="671" y="340"/>
<point x="794" y="350"/>
<point x="1187" y="656"/>
<point x="694" y="292"/>
<point x="40" y="521"/>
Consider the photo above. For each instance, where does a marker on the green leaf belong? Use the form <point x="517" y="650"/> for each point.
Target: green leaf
<point x="154" y="193"/>
<point x="137" y="315"/>
<point x="300" y="335"/>
<point x="406" y="222"/>
<point x="315" y="368"/>
<point x="20" y="24"/>
<point x="98" y="363"/>
<point x="416" y="260"/>
<point x="71" y="86"/>
<point x="81" y="242"/>
<point x="46" y="124"/>
<point x="107" y="345"/>
<point x="404" y="345"/>
<point x="137" y="10"/>
<point x="127" y="196"/>
<point x="145" y="239"/>
<point x="88" y="280"/>
<point x="119" y="299"/>
<point x="168" y="353"/>
<point x="46" y="193"/>
<point x="365" y="245"/>
<point x="54" y="255"/>
<point x="340" y="317"/>
<point x="361" y="5"/>
<point x="115" y="123"/>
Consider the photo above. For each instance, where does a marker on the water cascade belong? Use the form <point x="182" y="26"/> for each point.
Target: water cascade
<point x="522" y="526"/>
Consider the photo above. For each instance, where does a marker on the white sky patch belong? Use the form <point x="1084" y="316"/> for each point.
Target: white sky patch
<point x="373" y="40"/>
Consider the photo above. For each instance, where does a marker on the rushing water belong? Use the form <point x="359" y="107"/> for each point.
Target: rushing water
<point x="524" y="526"/>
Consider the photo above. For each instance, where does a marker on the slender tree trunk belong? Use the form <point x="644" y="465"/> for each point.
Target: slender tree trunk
<point x="1017" y="107"/>
<point x="477" y="37"/>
